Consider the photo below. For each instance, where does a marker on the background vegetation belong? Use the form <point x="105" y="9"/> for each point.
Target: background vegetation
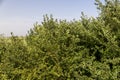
<point x="85" y="49"/>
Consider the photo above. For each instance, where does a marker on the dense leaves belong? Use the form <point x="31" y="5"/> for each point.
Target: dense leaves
<point x="85" y="49"/>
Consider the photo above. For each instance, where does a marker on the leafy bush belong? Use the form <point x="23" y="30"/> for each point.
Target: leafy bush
<point x="85" y="49"/>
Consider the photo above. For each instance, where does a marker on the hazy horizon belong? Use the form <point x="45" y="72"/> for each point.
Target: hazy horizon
<point x="18" y="16"/>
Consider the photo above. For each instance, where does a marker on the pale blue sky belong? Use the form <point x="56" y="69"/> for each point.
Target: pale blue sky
<point x="18" y="16"/>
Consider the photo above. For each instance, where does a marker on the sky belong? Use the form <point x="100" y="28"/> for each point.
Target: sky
<point x="18" y="16"/>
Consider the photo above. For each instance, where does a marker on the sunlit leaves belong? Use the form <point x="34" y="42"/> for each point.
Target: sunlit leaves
<point x="85" y="49"/>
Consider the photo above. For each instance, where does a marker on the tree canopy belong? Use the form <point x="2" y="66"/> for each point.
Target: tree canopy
<point x="85" y="49"/>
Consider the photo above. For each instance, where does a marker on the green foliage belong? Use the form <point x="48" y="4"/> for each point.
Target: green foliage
<point x="85" y="49"/>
